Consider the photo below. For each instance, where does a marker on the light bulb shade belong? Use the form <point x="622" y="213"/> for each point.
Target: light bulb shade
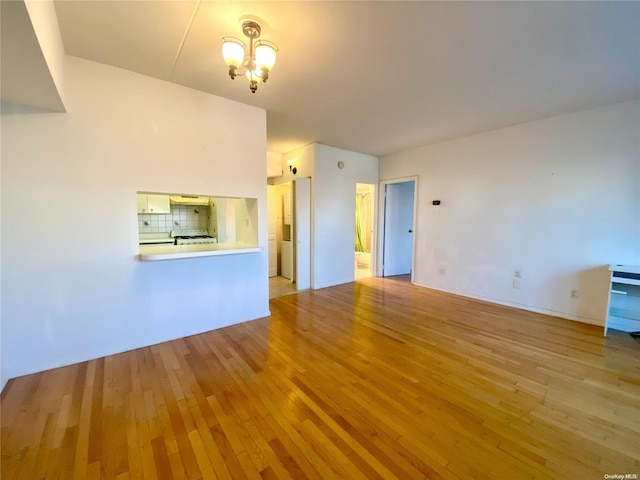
<point x="265" y="55"/>
<point x="232" y="51"/>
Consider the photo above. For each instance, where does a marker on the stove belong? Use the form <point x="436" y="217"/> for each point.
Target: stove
<point x="192" y="237"/>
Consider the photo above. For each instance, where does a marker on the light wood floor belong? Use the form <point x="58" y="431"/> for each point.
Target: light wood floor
<point x="373" y="379"/>
<point x="362" y="272"/>
<point x="280" y="286"/>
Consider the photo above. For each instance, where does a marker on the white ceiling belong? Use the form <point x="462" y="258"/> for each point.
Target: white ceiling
<point x="379" y="77"/>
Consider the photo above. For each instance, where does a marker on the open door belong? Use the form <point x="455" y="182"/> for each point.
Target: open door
<point x="272" y="230"/>
<point x="302" y="232"/>
<point x="398" y="228"/>
<point x="364" y="230"/>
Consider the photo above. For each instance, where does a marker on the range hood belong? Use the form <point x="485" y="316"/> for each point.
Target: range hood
<point x="188" y="200"/>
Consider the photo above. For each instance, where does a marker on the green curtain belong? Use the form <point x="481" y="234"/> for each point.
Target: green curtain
<point x="359" y="213"/>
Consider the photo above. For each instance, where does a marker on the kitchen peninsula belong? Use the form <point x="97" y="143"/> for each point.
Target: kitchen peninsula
<point x="188" y="226"/>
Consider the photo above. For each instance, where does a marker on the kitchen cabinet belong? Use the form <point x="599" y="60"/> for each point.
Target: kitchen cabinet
<point x="623" y="310"/>
<point x="153" y="203"/>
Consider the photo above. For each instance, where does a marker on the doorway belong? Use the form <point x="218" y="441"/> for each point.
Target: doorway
<point x="364" y="228"/>
<point x="398" y="227"/>
<point x="289" y="234"/>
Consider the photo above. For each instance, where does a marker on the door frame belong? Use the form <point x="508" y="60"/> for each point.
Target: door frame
<point x="382" y="208"/>
<point x="374" y="229"/>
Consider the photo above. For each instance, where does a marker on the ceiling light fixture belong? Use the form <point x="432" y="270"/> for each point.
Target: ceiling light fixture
<point x="256" y="63"/>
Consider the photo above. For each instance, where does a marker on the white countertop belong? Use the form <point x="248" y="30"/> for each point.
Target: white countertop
<point x="172" y="252"/>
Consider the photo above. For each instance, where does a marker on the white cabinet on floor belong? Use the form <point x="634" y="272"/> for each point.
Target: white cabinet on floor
<point x="152" y="203"/>
<point x="623" y="310"/>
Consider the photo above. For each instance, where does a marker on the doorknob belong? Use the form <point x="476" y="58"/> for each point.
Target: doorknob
<point x="410" y="231"/>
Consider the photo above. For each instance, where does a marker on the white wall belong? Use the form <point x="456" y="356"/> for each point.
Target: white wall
<point x="303" y="159"/>
<point x="72" y="288"/>
<point x="333" y="206"/>
<point x="333" y="212"/>
<point x="246" y="220"/>
<point x="274" y="164"/>
<point x="557" y="198"/>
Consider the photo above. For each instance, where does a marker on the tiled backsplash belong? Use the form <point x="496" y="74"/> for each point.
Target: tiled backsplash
<point x="185" y="215"/>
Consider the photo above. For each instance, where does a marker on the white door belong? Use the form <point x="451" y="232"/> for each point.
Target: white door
<point x="302" y="218"/>
<point x="272" y="206"/>
<point x="398" y="229"/>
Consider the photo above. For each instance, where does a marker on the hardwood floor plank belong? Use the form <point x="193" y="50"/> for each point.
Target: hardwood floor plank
<point x="289" y="453"/>
<point x="332" y="456"/>
<point x="178" y="471"/>
<point x="93" y="471"/>
<point x="205" y="460"/>
<point x="42" y="456"/>
<point x="96" y="420"/>
<point x="228" y="456"/>
<point x="135" y="468"/>
<point x="163" y="466"/>
<point x="248" y="468"/>
<point x="373" y="379"/>
<point x="146" y="452"/>
<point x="233" y="434"/>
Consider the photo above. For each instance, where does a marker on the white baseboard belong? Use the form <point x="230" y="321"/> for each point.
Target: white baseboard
<point x="529" y="308"/>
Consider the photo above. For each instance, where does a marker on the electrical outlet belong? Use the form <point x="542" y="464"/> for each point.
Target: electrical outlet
<point x="516" y="283"/>
<point x="517" y="273"/>
<point x="574" y="293"/>
<point x="442" y="271"/>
